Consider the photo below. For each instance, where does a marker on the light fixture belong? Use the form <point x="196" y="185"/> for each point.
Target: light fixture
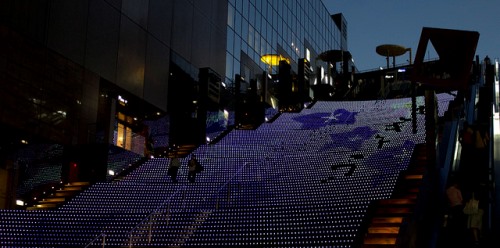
<point x="273" y="59"/>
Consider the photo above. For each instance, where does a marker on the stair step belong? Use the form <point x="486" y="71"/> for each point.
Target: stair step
<point x="60" y="193"/>
<point x="407" y="195"/>
<point x="378" y="246"/>
<point x="414" y="190"/>
<point x="79" y="183"/>
<point x="395" y="221"/>
<point x="414" y="176"/>
<point x="54" y="200"/>
<point x="42" y="206"/>
<point x="398" y="201"/>
<point x="393" y="210"/>
<point x="383" y="230"/>
<point x="71" y="188"/>
<point x="380" y="240"/>
<point x="416" y="168"/>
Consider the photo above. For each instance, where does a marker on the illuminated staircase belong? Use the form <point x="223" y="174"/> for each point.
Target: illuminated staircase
<point x="390" y="215"/>
<point x="60" y="196"/>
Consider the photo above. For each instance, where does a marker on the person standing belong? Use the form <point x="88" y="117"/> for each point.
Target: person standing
<point x="173" y="168"/>
<point x="474" y="218"/>
<point x="456" y="204"/>
<point x="466" y="137"/>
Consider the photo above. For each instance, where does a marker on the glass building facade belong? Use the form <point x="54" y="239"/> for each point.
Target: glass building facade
<point x="294" y="29"/>
<point x="68" y="65"/>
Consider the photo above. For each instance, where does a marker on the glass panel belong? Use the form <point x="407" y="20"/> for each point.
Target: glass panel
<point x="236" y="67"/>
<point x="120" y="136"/>
<point x="128" y="138"/>
<point x="237" y="24"/>
<point x="230" y="39"/>
<point x="239" y="5"/>
<point x="244" y="47"/>
<point x="230" y="16"/>
<point x="244" y="29"/>
<point x="237" y="46"/>
<point x="269" y="34"/>
<point x="245" y="9"/>
<point x="262" y="46"/>
<point x="257" y="42"/>
<point x="251" y="36"/>
<point x="251" y="17"/>
<point x="258" y="19"/>
<point x="229" y="65"/>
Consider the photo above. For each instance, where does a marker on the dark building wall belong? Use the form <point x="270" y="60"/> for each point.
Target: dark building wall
<point x="126" y="42"/>
<point x="43" y="93"/>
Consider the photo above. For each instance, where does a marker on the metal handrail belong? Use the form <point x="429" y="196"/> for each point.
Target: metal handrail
<point x="167" y="203"/>
<point x="216" y="194"/>
<point x="103" y="235"/>
<point x="157" y="210"/>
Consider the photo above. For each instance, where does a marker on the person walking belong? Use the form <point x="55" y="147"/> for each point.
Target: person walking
<point x="457" y="219"/>
<point x="173" y="168"/>
<point x="192" y="168"/>
<point x="474" y="218"/>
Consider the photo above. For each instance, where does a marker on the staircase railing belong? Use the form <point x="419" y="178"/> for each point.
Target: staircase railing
<point x="101" y="236"/>
<point x="213" y="201"/>
<point x="148" y="220"/>
<point x="215" y="197"/>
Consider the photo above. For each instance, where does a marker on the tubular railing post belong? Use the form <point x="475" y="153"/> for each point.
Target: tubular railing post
<point x="168" y="214"/>
<point x="184" y="198"/>
<point x="150" y="229"/>
<point x="103" y="240"/>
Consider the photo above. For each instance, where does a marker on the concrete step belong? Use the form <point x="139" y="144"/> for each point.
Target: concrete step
<point x="374" y="240"/>
<point x="42" y="206"/>
<point x="79" y="184"/>
<point x="62" y="193"/>
<point x="380" y="221"/>
<point x="383" y="230"/>
<point x="412" y="176"/>
<point x="393" y="211"/>
<point x="398" y="201"/>
<point x="55" y="200"/>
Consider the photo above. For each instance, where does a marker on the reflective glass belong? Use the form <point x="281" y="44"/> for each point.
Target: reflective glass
<point x="230" y="16"/>
<point x="237" y="46"/>
<point x="251" y="18"/>
<point x="236" y="67"/>
<point x="239" y="5"/>
<point x="280" y="22"/>
<point x="237" y="24"/>
<point x="230" y="39"/>
<point x="245" y="10"/>
<point x="244" y="29"/>
<point x="251" y="36"/>
<point x="229" y="66"/>
<point x="257" y="42"/>
<point x="258" y="19"/>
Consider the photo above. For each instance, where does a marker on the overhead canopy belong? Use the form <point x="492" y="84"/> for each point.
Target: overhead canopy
<point x="390" y="50"/>
<point x="273" y="59"/>
<point x="456" y="50"/>
<point x="333" y="56"/>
